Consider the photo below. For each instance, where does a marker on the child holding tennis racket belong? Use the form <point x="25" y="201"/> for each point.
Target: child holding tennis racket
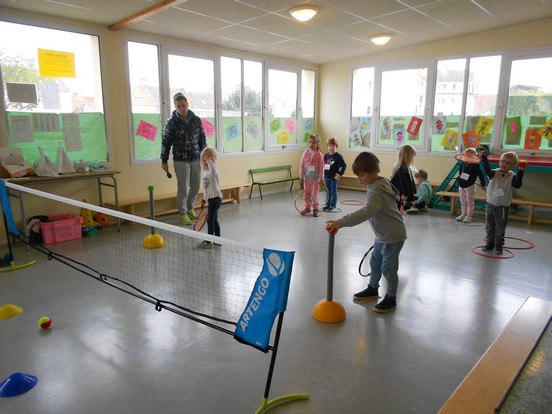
<point x="311" y="171"/>
<point x="387" y="223"/>
<point x="211" y="194"/>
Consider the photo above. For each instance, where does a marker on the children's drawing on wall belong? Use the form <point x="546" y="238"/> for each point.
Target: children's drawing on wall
<point x="208" y="127"/>
<point x="414" y="126"/>
<point x="471" y="139"/>
<point x="253" y="130"/>
<point x="449" y="140"/>
<point x="275" y="125"/>
<point x="232" y="132"/>
<point x="146" y="130"/>
<point x="512" y="126"/>
<point x="483" y="127"/>
<point x="283" y="137"/>
<point x="355" y="140"/>
<point x="532" y="140"/>
<point x="439" y="124"/>
<point x="290" y="125"/>
<point x="398" y="136"/>
<point x="386" y="128"/>
<point x="546" y="130"/>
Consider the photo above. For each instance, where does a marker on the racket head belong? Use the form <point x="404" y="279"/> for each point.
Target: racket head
<point x="299" y="201"/>
<point x="364" y="265"/>
<point x="200" y="222"/>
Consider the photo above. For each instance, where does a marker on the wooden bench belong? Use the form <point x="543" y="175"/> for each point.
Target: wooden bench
<point x="255" y="181"/>
<point x="138" y="205"/>
<point x="530" y="218"/>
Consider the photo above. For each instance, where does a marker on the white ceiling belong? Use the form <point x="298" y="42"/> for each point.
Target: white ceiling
<point x="340" y="30"/>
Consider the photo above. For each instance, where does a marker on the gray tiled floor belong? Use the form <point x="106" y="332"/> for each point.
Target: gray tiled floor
<point x="109" y="352"/>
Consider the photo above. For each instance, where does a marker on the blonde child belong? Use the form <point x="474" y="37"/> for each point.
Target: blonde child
<point x="423" y="195"/>
<point x="311" y="172"/>
<point x="402" y="176"/>
<point x="502" y="181"/>
<point x="334" y="168"/>
<point x="388" y="227"/>
<point x="468" y="174"/>
<point x="212" y="196"/>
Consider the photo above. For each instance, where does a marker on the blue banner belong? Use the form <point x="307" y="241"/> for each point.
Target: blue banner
<point x="267" y="300"/>
<point x="6" y="209"/>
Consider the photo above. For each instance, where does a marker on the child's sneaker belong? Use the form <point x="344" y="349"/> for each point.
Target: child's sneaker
<point x="489" y="246"/>
<point x="305" y="211"/>
<point x="412" y="210"/>
<point x="468" y="219"/>
<point x="423" y="210"/>
<point x="325" y="208"/>
<point x="315" y="213"/>
<point x="192" y="214"/>
<point x="386" y="305"/>
<point x="367" y="294"/>
<point x="461" y="217"/>
<point x="184" y="219"/>
<point x="498" y="249"/>
<point x="330" y="209"/>
<point x="205" y="244"/>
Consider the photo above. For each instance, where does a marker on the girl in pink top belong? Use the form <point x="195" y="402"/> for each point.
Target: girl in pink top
<point x="311" y="172"/>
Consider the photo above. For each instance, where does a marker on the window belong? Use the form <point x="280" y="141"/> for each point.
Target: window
<point x="253" y="106"/>
<point x="402" y="106"/>
<point x="282" y="107"/>
<point x="308" y="85"/>
<point x="360" y="126"/>
<point x="195" y="78"/>
<point x="529" y="105"/>
<point x="145" y="96"/>
<point x="231" y="84"/>
<point x="53" y="92"/>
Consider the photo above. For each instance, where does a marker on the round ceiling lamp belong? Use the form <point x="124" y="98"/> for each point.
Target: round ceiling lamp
<point x="303" y="13"/>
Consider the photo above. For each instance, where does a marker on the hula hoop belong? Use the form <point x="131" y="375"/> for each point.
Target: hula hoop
<point x="352" y="202"/>
<point x="474" y="250"/>
<point x="362" y="262"/>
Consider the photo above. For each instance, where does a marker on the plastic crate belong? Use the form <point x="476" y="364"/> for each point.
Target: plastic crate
<point x="60" y="228"/>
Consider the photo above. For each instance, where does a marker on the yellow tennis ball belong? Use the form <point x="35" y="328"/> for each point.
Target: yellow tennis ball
<point x="44" y="322"/>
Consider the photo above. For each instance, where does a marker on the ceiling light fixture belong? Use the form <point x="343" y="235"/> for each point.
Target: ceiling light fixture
<point x="303" y="13"/>
<point x="380" y="39"/>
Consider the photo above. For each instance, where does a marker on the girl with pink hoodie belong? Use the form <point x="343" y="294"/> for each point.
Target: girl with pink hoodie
<point x="311" y="172"/>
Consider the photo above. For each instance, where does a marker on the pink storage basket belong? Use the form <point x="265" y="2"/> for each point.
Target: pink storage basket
<point x="61" y="227"/>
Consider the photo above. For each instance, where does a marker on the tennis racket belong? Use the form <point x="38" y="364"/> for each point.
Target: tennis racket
<point x="299" y="202"/>
<point x="201" y="217"/>
<point x="364" y="269"/>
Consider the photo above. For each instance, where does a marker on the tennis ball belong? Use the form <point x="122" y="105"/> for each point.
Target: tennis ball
<point x="44" y="322"/>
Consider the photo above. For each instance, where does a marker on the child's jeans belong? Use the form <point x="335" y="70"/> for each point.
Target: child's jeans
<point x="467" y="200"/>
<point x="385" y="261"/>
<point x="331" y="191"/>
<point x="213" y="226"/>
<point x="496" y="219"/>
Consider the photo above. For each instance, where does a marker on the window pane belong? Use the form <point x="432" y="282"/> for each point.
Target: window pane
<point x="402" y="107"/>
<point x="481" y="98"/>
<point x="308" y="85"/>
<point x="360" y="129"/>
<point x="195" y="79"/>
<point x="447" y="108"/>
<point x="145" y="100"/>
<point x="53" y="91"/>
<point x="253" y="105"/>
<point x="282" y="107"/>
<point x="232" y="140"/>
<point x="529" y="105"/>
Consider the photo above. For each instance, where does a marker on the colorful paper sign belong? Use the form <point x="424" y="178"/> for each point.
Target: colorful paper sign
<point x="449" y="140"/>
<point x="546" y="130"/>
<point x="208" y="127"/>
<point x="484" y="126"/>
<point x="56" y="63"/>
<point x="232" y="132"/>
<point x="146" y="130"/>
<point x="532" y="139"/>
<point x="253" y="130"/>
<point x="290" y="125"/>
<point x="439" y="124"/>
<point x="283" y="137"/>
<point x="512" y="126"/>
<point x="471" y="139"/>
<point x="399" y="136"/>
<point x="414" y="126"/>
<point x="275" y="125"/>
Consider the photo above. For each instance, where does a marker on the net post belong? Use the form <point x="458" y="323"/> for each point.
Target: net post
<point x="329" y="310"/>
<point x="285" y="398"/>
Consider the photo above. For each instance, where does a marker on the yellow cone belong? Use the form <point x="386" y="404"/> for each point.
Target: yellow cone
<point x="329" y="311"/>
<point x="9" y="311"/>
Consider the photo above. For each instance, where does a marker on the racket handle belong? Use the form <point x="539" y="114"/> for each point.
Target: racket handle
<point x="169" y="175"/>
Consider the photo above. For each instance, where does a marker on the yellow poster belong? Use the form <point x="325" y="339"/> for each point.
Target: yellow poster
<point x="56" y="63"/>
<point x="283" y="137"/>
<point x="449" y="140"/>
<point x="546" y="130"/>
<point x="483" y="126"/>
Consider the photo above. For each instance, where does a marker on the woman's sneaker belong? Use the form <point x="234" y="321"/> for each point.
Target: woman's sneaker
<point x="205" y="244"/>
<point x="367" y="294"/>
<point x="386" y="305"/>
